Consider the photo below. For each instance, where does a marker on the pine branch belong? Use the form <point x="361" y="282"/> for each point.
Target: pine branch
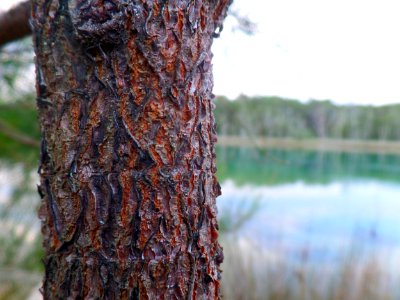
<point x="17" y="136"/>
<point x="14" y="23"/>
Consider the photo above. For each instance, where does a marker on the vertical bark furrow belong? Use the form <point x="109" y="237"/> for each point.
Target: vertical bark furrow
<point x="127" y="170"/>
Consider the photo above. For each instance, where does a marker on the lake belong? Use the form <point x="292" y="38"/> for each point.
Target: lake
<point x="287" y="218"/>
<point x="322" y="205"/>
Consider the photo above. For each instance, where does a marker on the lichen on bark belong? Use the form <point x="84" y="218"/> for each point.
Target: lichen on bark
<point x="128" y="186"/>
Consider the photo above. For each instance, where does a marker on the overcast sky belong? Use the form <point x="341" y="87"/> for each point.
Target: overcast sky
<point x="344" y="50"/>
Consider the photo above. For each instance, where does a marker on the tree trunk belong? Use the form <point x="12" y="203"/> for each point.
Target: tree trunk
<point x="127" y="169"/>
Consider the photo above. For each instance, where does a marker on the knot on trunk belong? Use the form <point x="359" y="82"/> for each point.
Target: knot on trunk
<point x="99" y="22"/>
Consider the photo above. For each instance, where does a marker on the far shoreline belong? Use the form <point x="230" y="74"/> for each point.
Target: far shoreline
<point x="313" y="144"/>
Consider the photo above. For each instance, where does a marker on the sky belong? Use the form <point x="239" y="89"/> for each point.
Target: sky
<point x="347" y="51"/>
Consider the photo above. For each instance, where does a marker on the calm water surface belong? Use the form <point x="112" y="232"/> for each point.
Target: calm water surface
<point x="322" y="205"/>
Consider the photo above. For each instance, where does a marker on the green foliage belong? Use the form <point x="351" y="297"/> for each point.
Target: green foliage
<point x="277" y="117"/>
<point x="21" y="116"/>
<point x="247" y="117"/>
<point x="32" y="261"/>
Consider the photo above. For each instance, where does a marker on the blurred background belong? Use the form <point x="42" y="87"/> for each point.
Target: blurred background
<point x="308" y="153"/>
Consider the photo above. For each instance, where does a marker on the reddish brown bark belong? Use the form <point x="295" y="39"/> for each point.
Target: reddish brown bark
<point x="127" y="170"/>
<point x="14" y="24"/>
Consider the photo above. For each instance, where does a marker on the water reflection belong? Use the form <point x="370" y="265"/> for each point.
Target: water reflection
<point x="324" y="204"/>
<point x="326" y="218"/>
<point x="273" y="167"/>
<point x="282" y="208"/>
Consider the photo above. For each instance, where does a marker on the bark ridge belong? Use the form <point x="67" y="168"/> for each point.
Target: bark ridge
<point x="128" y="186"/>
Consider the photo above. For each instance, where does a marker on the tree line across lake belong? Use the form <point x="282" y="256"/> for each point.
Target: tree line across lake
<point x="280" y="118"/>
<point x="244" y="117"/>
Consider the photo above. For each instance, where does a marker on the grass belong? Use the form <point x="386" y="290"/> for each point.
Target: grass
<point x="252" y="273"/>
<point x="16" y="284"/>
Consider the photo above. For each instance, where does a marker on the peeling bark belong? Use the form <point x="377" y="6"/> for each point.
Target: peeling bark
<point x="127" y="169"/>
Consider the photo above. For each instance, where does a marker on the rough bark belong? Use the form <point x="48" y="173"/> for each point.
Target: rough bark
<point x="127" y="169"/>
<point x="14" y="24"/>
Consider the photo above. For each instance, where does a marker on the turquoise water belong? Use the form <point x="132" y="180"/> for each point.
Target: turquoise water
<point x="322" y="205"/>
<point x="314" y="204"/>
